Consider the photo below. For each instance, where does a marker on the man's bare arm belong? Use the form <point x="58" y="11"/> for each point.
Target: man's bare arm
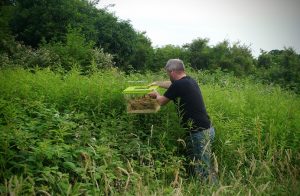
<point x="162" y="100"/>
<point x="162" y="84"/>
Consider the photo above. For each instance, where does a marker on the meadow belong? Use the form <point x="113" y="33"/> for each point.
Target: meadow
<point x="70" y="134"/>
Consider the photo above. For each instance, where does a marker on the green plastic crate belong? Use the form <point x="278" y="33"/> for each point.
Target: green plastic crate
<point x="139" y="89"/>
<point x="138" y="101"/>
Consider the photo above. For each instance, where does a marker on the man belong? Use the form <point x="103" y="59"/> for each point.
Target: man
<point x="185" y="92"/>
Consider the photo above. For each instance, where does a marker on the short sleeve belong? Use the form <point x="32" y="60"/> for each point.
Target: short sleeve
<point x="172" y="92"/>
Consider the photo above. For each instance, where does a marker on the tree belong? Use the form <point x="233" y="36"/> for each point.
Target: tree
<point x="199" y="53"/>
<point x="34" y="21"/>
<point x="221" y="56"/>
<point x="281" y="67"/>
<point x="242" y="59"/>
<point x="143" y="54"/>
<point x="77" y="50"/>
<point x="236" y="58"/>
<point x="116" y="37"/>
<point x="163" y="54"/>
<point x="48" y="19"/>
<point x="6" y="37"/>
<point x="264" y="60"/>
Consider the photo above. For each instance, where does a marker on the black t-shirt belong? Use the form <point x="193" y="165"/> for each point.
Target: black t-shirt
<point x="190" y="104"/>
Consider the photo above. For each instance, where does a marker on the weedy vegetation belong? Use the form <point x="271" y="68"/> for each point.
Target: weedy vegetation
<point x="70" y="134"/>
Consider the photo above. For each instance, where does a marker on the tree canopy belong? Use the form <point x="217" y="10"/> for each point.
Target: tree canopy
<point x="77" y="32"/>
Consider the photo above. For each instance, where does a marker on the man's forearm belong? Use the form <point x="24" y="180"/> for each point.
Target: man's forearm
<point x="164" y="84"/>
<point x="162" y="100"/>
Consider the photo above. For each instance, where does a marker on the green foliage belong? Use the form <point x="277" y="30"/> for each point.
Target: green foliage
<point x="81" y="35"/>
<point x="242" y="59"/>
<point x="281" y="67"/>
<point x="116" y="37"/>
<point x="142" y="57"/>
<point x="199" y="53"/>
<point x="60" y="56"/>
<point x="6" y="37"/>
<point x="22" y="56"/>
<point x="163" y="54"/>
<point x="70" y="134"/>
<point x="236" y="58"/>
<point x="78" y="51"/>
<point x="36" y="20"/>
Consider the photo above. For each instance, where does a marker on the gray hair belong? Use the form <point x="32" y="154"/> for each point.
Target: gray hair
<point x="174" y="65"/>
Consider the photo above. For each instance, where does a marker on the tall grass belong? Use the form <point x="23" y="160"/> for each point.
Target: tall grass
<point x="70" y="134"/>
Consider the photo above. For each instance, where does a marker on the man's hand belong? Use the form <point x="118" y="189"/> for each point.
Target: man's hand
<point x="154" y="94"/>
<point x="162" y="100"/>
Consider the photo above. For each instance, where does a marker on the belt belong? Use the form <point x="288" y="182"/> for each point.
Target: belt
<point x="199" y="130"/>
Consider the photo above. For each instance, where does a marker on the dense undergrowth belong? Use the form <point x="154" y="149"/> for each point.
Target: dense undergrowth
<point x="69" y="134"/>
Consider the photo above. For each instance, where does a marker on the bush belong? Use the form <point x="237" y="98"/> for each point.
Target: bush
<point x="22" y="56"/>
<point x="280" y="67"/>
<point x="70" y="134"/>
<point x="76" y="51"/>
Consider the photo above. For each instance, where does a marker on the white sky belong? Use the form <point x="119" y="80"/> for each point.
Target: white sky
<point x="260" y="24"/>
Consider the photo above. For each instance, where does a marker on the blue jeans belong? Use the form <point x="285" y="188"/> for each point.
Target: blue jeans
<point x="199" y="152"/>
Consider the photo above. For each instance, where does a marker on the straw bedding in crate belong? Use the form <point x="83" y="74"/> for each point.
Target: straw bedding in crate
<point x="143" y="104"/>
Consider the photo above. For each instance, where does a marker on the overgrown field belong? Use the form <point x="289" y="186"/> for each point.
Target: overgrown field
<point x="68" y="134"/>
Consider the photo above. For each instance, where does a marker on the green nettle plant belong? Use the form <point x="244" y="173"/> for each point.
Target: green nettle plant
<point x="77" y="51"/>
<point x="70" y="134"/>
